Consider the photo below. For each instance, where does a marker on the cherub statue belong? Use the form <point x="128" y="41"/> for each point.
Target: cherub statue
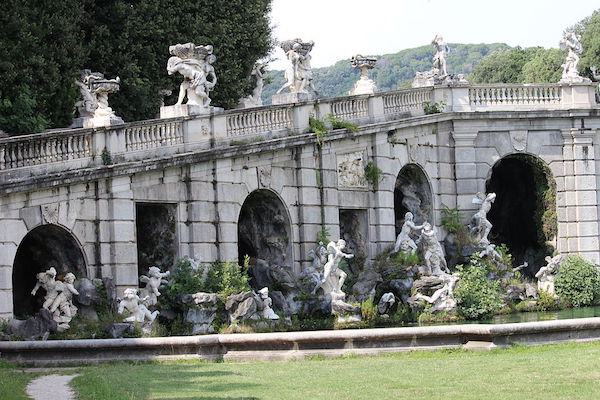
<point x="264" y="305"/>
<point x="570" y="42"/>
<point x="63" y="310"/>
<point x="47" y="281"/>
<point x="299" y="73"/>
<point x="404" y="241"/>
<point x="135" y="307"/>
<point x="439" y="59"/>
<point x="333" y="277"/>
<point x="255" y="99"/>
<point x="547" y="273"/>
<point x="153" y="283"/>
<point x="195" y="64"/>
<point x="433" y="251"/>
<point x="479" y="225"/>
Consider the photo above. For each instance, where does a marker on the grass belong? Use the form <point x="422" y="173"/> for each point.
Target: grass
<point x="564" y="371"/>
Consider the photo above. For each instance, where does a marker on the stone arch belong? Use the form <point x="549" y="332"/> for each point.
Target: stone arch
<point x="524" y="212"/>
<point x="44" y="246"/>
<point x="412" y="192"/>
<point x="264" y="228"/>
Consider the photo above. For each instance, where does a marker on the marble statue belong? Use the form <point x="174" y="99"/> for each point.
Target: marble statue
<point x="439" y="59"/>
<point x="199" y="78"/>
<point x="264" y="303"/>
<point x="546" y="274"/>
<point x="364" y="85"/>
<point x="299" y="73"/>
<point x="138" y="312"/>
<point x="153" y="281"/>
<point x="404" y="242"/>
<point x="318" y="256"/>
<point x="433" y="253"/>
<point x="333" y="276"/>
<point x="490" y="251"/>
<point x="570" y="43"/>
<point x="93" y="108"/>
<point x="443" y="298"/>
<point x="480" y="226"/>
<point x="255" y="99"/>
<point x="47" y="281"/>
<point x="63" y="310"/>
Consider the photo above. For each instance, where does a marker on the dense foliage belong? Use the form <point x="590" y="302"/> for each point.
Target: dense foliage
<point x="589" y="28"/>
<point x="393" y="71"/>
<point x="46" y="45"/>
<point x="477" y="296"/>
<point x="578" y="282"/>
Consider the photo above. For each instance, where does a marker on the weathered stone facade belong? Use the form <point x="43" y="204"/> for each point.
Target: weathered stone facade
<point x="197" y="166"/>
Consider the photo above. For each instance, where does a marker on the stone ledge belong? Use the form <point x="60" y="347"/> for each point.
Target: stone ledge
<point x="289" y="345"/>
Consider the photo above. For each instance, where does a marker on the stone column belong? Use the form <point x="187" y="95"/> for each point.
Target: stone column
<point x="465" y="171"/>
<point x="578" y="214"/>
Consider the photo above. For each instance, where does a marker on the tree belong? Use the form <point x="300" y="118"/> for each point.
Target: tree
<point x="543" y="67"/>
<point x="41" y="51"/>
<point x="589" y="29"/>
<point x="503" y="66"/>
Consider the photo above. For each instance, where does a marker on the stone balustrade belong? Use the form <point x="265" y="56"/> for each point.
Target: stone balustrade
<point x="76" y="148"/>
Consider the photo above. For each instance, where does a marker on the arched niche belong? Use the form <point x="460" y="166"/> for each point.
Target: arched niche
<point x="43" y="247"/>
<point x="264" y="229"/>
<point x="412" y="192"/>
<point x="524" y="212"/>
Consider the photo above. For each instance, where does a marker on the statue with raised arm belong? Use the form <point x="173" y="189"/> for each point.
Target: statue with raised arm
<point x="199" y="78"/>
<point x="480" y="226"/>
<point x="404" y="242"/>
<point x="439" y="59"/>
<point x="547" y="273"/>
<point x="132" y="303"/>
<point x="46" y="280"/>
<point x="63" y="310"/>
<point x="153" y="282"/>
<point x="433" y="253"/>
<point x="333" y="277"/>
<point x="570" y="43"/>
<point x="255" y="99"/>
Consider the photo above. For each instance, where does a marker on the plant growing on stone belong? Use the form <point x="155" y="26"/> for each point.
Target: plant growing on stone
<point x="106" y="157"/>
<point x="451" y="219"/>
<point x="547" y="301"/>
<point x="477" y="296"/>
<point x="234" y="277"/>
<point x="323" y="236"/>
<point x="434" y="107"/>
<point x="319" y="128"/>
<point x="373" y="174"/>
<point x="578" y="282"/>
<point x="339" y="124"/>
<point x="368" y="309"/>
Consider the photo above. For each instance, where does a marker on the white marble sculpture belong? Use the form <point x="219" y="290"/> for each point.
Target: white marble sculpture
<point x="364" y="85"/>
<point x="439" y="59"/>
<point x="351" y="170"/>
<point x="46" y="280"/>
<point x="404" y="241"/>
<point x="93" y="109"/>
<point x="433" y="253"/>
<point x="570" y="43"/>
<point x="138" y="312"/>
<point x="318" y="255"/>
<point x="443" y="298"/>
<point x="63" y="310"/>
<point x="153" y="281"/>
<point x="480" y="226"/>
<point x="438" y="74"/>
<point x="299" y="73"/>
<point x="333" y="276"/>
<point x="264" y="303"/>
<point x="255" y="99"/>
<point x="490" y="251"/>
<point x="546" y="274"/>
<point x="199" y="78"/>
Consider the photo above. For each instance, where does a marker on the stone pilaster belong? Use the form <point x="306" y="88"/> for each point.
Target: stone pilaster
<point x="465" y="170"/>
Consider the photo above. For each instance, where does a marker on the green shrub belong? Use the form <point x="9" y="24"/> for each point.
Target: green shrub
<point x="339" y="124"/>
<point x="368" y="309"/>
<point x="434" y="108"/>
<point x="451" y="219"/>
<point x="578" y="282"/>
<point x="406" y="259"/>
<point x="373" y="174"/>
<point x="234" y="278"/>
<point x="546" y="301"/>
<point x="476" y="295"/>
<point x="319" y="128"/>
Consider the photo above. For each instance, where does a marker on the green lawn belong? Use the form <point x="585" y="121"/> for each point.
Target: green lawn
<point x="566" y="371"/>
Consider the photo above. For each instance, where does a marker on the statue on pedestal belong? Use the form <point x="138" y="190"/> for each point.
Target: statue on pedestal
<point x="570" y="43"/>
<point x="479" y="226"/>
<point x="195" y="64"/>
<point x="364" y="85"/>
<point x="439" y="59"/>
<point x="255" y="99"/>
<point x="299" y="73"/>
<point x="438" y="75"/>
<point x="93" y="110"/>
<point x="333" y="277"/>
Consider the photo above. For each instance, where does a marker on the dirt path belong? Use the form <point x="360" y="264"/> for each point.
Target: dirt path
<point x="51" y="387"/>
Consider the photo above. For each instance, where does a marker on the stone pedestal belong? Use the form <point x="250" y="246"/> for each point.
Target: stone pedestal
<point x="187" y="110"/>
<point x="96" y="122"/>
<point x="289" y="98"/>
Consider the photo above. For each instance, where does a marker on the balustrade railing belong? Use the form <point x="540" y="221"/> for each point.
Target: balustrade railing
<point x="255" y="121"/>
<point x="406" y="100"/>
<point x="44" y="148"/>
<point x="151" y="136"/>
<point x="350" y="108"/>
<point x="514" y="95"/>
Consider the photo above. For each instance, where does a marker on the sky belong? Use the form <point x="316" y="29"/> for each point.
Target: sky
<point x="342" y="28"/>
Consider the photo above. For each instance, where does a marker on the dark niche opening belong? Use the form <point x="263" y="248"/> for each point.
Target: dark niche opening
<point x="155" y="225"/>
<point x="264" y="229"/>
<point x="353" y="229"/>
<point x="524" y="213"/>
<point x="412" y="192"/>
<point x="43" y="247"/>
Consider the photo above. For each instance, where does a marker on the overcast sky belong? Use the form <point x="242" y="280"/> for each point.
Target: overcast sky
<point x="342" y="28"/>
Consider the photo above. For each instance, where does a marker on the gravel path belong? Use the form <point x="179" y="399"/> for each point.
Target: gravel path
<point x="51" y="387"/>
